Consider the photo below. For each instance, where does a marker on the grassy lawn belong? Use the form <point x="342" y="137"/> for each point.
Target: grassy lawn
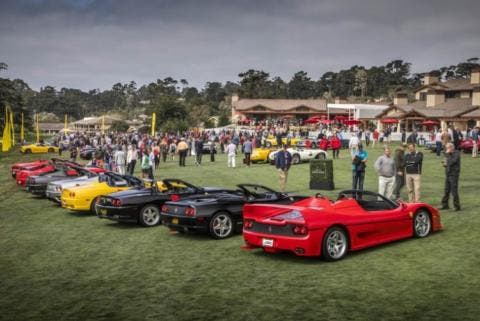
<point x="57" y="265"/>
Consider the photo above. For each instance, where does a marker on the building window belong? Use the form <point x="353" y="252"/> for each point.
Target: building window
<point x="452" y="94"/>
<point x="423" y="96"/>
<point x="302" y="109"/>
<point x="259" y="108"/>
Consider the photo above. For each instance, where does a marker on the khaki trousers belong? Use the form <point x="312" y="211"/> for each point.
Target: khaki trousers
<point x="385" y="186"/>
<point x="282" y="176"/>
<point x="413" y="187"/>
<point x="475" y="150"/>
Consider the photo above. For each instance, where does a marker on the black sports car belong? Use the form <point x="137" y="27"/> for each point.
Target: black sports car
<point x="37" y="185"/>
<point x="220" y="215"/>
<point x="142" y="205"/>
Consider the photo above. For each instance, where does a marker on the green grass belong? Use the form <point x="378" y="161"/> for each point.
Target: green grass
<point x="57" y="265"/>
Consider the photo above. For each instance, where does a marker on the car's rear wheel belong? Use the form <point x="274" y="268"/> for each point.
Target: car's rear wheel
<point x="320" y="156"/>
<point x="149" y="215"/>
<point x="50" y="150"/>
<point x="422" y="224"/>
<point x="221" y="225"/>
<point x="295" y="159"/>
<point x="92" y="206"/>
<point x="335" y="244"/>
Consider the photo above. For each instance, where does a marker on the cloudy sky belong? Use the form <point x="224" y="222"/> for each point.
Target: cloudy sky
<point x="95" y="43"/>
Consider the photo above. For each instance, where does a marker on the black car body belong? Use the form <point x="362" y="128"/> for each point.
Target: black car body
<point x="87" y="153"/>
<point x="142" y="204"/>
<point x="37" y="185"/>
<point x="222" y="214"/>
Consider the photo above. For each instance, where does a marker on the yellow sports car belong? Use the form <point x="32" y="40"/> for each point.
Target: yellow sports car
<point x="272" y="141"/>
<point x="38" y="148"/>
<point x="260" y="154"/>
<point x="82" y="198"/>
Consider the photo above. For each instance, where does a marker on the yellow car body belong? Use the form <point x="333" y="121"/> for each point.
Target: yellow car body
<point x="272" y="141"/>
<point x="82" y="198"/>
<point x="260" y="154"/>
<point x="38" y="149"/>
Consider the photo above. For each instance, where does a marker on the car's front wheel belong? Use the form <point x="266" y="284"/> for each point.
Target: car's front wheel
<point x="221" y="225"/>
<point x="422" y="224"/>
<point x="149" y="215"/>
<point x="320" y="156"/>
<point x="335" y="244"/>
<point x="92" y="206"/>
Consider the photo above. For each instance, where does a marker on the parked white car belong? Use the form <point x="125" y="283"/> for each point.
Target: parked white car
<point x="301" y="155"/>
<point x="54" y="189"/>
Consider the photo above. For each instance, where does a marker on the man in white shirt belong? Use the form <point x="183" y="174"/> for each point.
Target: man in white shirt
<point x="119" y="158"/>
<point x="353" y="144"/>
<point x="231" y="154"/>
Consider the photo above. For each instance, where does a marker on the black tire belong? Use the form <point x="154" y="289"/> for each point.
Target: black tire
<point x="267" y="160"/>
<point x="50" y="150"/>
<point x="149" y="215"/>
<point x="422" y="224"/>
<point x="268" y="144"/>
<point x="92" y="206"/>
<point x="320" y="156"/>
<point x="28" y="151"/>
<point x="221" y="225"/>
<point x="335" y="236"/>
<point x="295" y="159"/>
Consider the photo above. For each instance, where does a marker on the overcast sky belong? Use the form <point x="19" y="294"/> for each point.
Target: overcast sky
<point x="90" y="44"/>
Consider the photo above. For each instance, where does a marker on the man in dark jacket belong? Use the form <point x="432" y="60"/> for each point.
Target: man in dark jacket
<point x="399" y="160"/>
<point x="283" y="160"/>
<point x="413" y="172"/>
<point x="452" y="172"/>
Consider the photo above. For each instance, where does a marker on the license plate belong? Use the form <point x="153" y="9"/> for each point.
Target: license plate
<point x="103" y="212"/>
<point x="174" y="220"/>
<point x="267" y="242"/>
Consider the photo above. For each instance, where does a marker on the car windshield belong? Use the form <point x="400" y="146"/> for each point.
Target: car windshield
<point x="369" y="201"/>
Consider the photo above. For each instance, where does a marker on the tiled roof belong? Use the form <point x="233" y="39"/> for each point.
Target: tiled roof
<point x="281" y="104"/>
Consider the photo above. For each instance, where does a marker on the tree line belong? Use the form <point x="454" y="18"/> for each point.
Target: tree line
<point x="179" y="105"/>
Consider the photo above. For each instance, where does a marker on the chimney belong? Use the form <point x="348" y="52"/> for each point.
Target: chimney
<point x="435" y="97"/>
<point x="476" y="96"/>
<point x="475" y="76"/>
<point x="430" y="78"/>
<point x="400" y="99"/>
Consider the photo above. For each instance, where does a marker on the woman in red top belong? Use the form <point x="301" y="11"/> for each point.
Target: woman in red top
<point x="323" y="143"/>
<point x="375" y="135"/>
<point x="336" y="144"/>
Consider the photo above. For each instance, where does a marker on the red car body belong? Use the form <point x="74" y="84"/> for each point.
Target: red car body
<point x="23" y="175"/>
<point x="466" y="145"/>
<point x="28" y="166"/>
<point x="302" y="227"/>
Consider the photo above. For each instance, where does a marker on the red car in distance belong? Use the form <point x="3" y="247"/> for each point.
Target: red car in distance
<point x="317" y="226"/>
<point x="466" y="145"/>
<point x="28" y="166"/>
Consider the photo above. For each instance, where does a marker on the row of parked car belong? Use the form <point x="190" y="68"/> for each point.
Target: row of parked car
<point x="271" y="220"/>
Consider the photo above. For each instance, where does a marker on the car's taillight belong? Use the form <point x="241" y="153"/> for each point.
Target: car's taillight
<point x="190" y="211"/>
<point x="174" y="197"/>
<point x="248" y="224"/>
<point x="300" y="230"/>
<point x="116" y="202"/>
<point x="165" y="209"/>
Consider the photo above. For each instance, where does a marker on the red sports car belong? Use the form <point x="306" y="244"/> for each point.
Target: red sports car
<point x="466" y="145"/>
<point x="317" y="226"/>
<point x="28" y="166"/>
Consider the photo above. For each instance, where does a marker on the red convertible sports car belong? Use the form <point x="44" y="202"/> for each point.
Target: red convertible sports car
<point x="317" y="226"/>
<point x="28" y="166"/>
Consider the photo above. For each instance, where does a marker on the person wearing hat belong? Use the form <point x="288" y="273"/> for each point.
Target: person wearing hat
<point x="399" y="160"/>
<point x="182" y="149"/>
<point x="359" y="163"/>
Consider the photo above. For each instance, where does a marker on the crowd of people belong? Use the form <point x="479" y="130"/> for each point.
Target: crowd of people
<point x="121" y="152"/>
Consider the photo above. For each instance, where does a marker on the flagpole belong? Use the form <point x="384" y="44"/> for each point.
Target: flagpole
<point x="22" y="131"/>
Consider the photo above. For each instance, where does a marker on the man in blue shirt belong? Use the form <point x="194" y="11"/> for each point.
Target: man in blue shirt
<point x="359" y="163"/>
<point x="247" y="150"/>
<point x="283" y="160"/>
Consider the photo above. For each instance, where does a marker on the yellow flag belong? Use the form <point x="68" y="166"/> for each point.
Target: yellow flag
<point x="6" y="139"/>
<point x="22" y="131"/>
<point x="103" y="124"/>
<point x="37" y="129"/>
<point x="12" y="128"/>
<point x="154" y="123"/>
